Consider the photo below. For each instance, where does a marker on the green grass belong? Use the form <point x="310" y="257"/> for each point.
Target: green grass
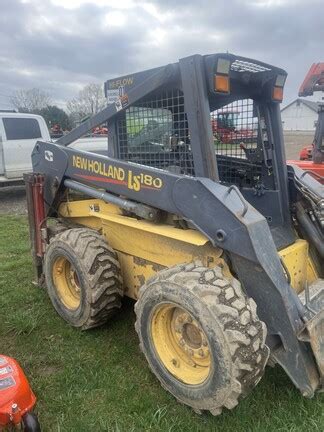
<point x="99" y="381"/>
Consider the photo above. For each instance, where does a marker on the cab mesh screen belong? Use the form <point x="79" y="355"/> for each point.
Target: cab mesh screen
<point x="238" y="134"/>
<point x="154" y="132"/>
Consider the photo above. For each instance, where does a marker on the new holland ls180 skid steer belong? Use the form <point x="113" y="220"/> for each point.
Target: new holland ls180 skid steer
<point x="220" y="244"/>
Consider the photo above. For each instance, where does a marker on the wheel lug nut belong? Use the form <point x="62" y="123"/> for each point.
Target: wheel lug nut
<point x="191" y="352"/>
<point x="175" y="363"/>
<point x="181" y="342"/>
<point x="201" y="353"/>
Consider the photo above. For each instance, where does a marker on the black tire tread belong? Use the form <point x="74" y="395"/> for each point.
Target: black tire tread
<point x="244" y="332"/>
<point x="101" y="263"/>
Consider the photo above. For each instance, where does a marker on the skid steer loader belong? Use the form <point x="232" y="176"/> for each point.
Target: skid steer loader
<point x="220" y="246"/>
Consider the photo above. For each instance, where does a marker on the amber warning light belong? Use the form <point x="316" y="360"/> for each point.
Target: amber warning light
<point x="277" y="92"/>
<point x="221" y="78"/>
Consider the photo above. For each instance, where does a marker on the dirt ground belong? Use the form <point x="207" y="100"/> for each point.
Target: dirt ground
<point x="13" y="199"/>
<point x="295" y="141"/>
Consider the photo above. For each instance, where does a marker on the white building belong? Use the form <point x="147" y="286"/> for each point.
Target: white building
<point x="299" y="115"/>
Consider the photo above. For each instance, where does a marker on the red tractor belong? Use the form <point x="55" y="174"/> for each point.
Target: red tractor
<point x="56" y="131"/>
<point x="100" y="131"/>
<point x="224" y="127"/>
<point x="312" y="156"/>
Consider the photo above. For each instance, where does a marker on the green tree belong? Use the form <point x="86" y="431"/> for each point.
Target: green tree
<point x="55" y="115"/>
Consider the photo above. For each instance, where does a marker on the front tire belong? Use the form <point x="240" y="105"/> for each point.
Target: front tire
<point x="30" y="422"/>
<point x="83" y="277"/>
<point x="201" y="336"/>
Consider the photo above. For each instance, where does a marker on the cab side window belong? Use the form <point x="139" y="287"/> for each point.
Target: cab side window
<point x="148" y="130"/>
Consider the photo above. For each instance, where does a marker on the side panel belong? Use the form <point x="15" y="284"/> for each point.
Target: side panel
<point x="298" y="264"/>
<point x="137" y="270"/>
<point x="153" y="246"/>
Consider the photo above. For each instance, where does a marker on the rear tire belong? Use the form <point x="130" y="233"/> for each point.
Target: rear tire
<point x="83" y="277"/>
<point x="201" y="336"/>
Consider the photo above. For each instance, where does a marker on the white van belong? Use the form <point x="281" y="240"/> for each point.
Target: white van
<point x="18" y="135"/>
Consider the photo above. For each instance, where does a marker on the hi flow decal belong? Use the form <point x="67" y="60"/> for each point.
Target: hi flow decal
<point x="120" y="82"/>
<point x="115" y="175"/>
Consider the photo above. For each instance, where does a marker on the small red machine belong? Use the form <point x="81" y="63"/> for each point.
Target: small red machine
<point x="16" y="398"/>
<point x="100" y="130"/>
<point x="306" y="153"/>
<point x="56" y="131"/>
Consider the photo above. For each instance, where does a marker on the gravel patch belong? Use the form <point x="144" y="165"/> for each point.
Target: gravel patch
<point x="13" y="200"/>
<point x="295" y="141"/>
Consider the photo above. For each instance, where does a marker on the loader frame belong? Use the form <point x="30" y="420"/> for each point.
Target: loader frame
<point x="222" y="213"/>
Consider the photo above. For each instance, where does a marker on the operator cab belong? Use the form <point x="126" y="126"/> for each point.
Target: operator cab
<point x="243" y="127"/>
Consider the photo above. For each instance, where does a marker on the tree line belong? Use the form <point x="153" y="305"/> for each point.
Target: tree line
<point x="89" y="101"/>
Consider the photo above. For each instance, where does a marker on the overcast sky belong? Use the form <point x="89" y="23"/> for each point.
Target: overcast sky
<point x="61" y="45"/>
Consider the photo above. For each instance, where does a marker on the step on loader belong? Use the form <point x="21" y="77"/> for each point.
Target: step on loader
<point x="220" y="244"/>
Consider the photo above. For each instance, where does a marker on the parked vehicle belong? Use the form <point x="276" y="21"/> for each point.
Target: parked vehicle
<point x="18" y="135"/>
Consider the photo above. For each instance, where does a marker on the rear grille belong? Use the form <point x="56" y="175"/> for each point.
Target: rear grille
<point x="244" y="66"/>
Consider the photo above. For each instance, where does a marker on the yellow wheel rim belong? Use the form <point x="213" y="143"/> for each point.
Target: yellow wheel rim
<point x="66" y="282"/>
<point x="181" y="344"/>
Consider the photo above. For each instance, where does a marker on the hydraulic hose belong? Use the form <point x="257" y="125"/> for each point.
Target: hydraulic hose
<point x="310" y="229"/>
